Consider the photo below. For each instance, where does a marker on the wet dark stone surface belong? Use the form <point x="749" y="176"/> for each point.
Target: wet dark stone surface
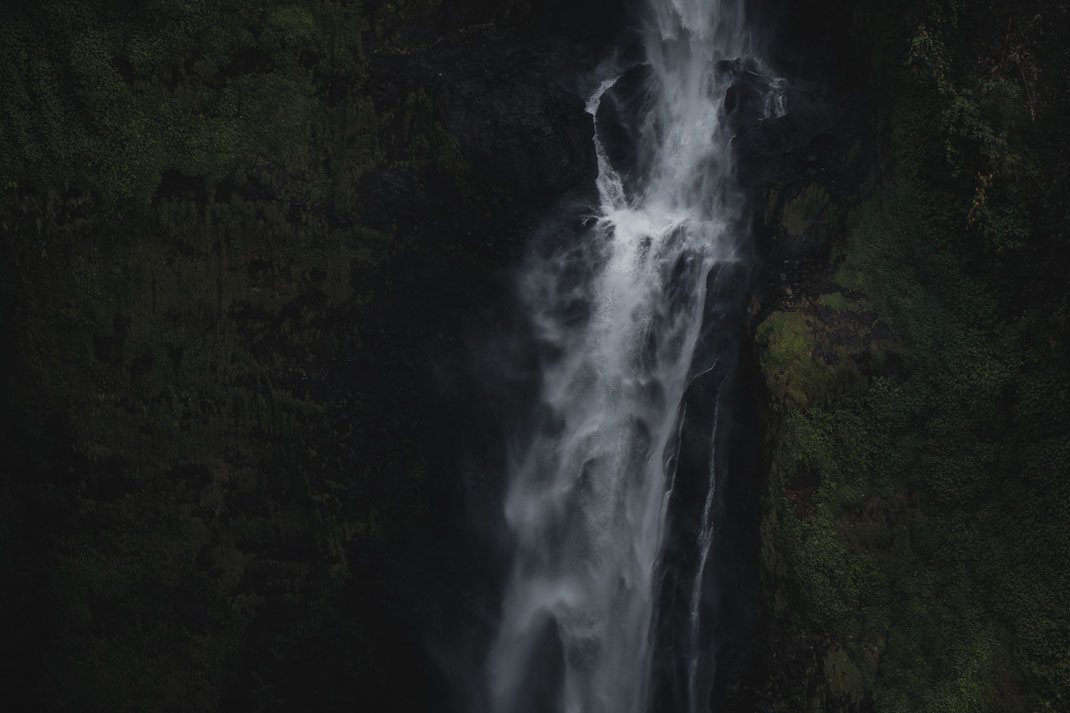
<point x="620" y="122"/>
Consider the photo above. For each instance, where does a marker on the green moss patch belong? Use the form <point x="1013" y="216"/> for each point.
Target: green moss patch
<point x="800" y="212"/>
<point x="925" y="556"/>
<point x="787" y="362"/>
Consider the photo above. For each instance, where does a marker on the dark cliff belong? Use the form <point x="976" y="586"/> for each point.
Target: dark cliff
<point x="911" y="339"/>
<point x="244" y="248"/>
<point x="244" y="251"/>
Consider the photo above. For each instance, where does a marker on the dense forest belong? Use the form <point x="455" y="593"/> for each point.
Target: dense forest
<point x="247" y="249"/>
<point x="915" y="543"/>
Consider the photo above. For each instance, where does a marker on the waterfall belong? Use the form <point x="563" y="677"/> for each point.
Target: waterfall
<point x="620" y="314"/>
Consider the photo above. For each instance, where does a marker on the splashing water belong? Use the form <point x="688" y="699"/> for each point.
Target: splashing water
<point x="620" y="312"/>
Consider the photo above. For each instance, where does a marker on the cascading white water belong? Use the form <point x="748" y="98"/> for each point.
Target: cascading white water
<point x="620" y="311"/>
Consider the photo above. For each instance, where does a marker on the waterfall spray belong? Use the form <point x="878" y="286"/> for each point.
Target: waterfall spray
<point x="620" y="311"/>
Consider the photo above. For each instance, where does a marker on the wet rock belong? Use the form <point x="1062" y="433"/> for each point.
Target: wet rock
<point x="748" y="99"/>
<point x="621" y="122"/>
<point x="508" y="119"/>
<point x="777" y="146"/>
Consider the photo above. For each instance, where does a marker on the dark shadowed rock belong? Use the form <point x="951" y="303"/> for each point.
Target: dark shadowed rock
<point x="620" y="121"/>
<point x="746" y="99"/>
<point x="511" y="119"/>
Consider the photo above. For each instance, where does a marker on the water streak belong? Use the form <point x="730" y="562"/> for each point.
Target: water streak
<point x="619" y="313"/>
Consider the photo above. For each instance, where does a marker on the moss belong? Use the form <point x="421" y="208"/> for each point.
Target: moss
<point x="798" y="214"/>
<point x="834" y="300"/>
<point x="913" y="437"/>
<point x="810" y="358"/>
<point x="903" y="525"/>
<point x="845" y="680"/>
<point x="786" y="356"/>
<point x="215" y="434"/>
<point x="842" y="301"/>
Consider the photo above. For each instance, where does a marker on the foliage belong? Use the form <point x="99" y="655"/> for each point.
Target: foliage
<point x="917" y="524"/>
<point x="796" y="215"/>
<point x="214" y="467"/>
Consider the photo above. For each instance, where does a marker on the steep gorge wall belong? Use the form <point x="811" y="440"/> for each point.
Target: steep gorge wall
<point x="243" y="247"/>
<point x="912" y="341"/>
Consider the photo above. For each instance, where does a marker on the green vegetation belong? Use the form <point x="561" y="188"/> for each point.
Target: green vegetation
<point x="918" y="529"/>
<point x="798" y="213"/>
<point x="786" y="358"/>
<point x="208" y="500"/>
<point x="207" y="504"/>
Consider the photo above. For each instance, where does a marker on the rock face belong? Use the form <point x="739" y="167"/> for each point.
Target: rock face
<point x="798" y="172"/>
<point x="747" y="100"/>
<point x="889" y="374"/>
<point x="620" y="123"/>
<point x="238" y="379"/>
<point x="243" y="252"/>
